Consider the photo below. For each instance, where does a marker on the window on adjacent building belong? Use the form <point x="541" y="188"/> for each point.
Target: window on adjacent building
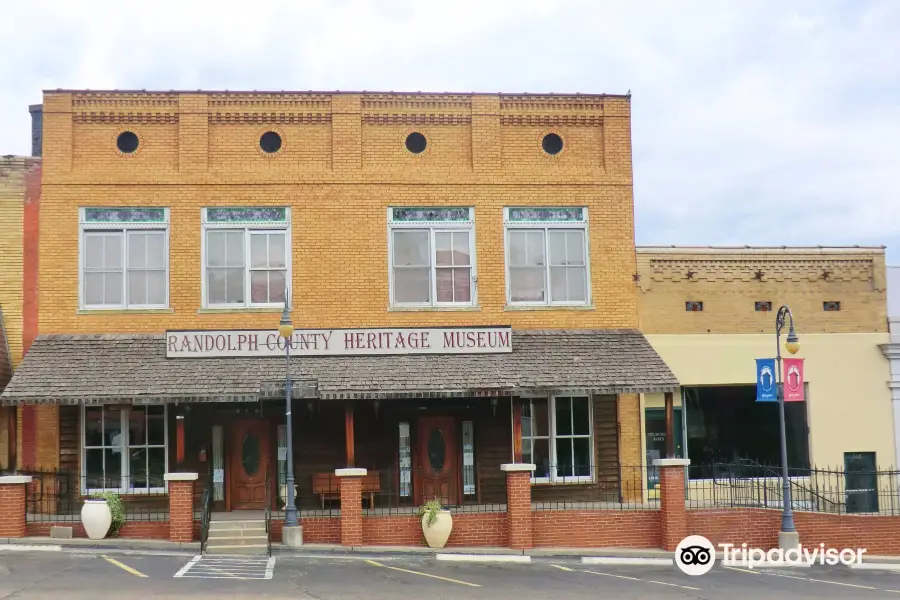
<point x="764" y="306"/>
<point x="124" y="258"/>
<point x="831" y="306"/>
<point x="246" y="256"/>
<point x="547" y="256"/>
<point x="693" y="306"/>
<point x="432" y="256"/>
<point x="124" y="449"/>
<point x="556" y="438"/>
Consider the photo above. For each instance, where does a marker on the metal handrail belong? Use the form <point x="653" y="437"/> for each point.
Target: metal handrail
<point x="206" y="513"/>
<point x="268" y="513"/>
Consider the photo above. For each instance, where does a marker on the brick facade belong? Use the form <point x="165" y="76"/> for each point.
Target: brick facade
<point x="729" y="281"/>
<point x="139" y="530"/>
<point x="673" y="523"/>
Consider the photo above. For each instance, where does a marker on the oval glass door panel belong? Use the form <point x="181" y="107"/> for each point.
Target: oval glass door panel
<point x="250" y="454"/>
<point x="436" y="450"/>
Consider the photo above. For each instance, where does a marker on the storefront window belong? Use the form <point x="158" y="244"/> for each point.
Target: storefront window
<point x="124" y="449"/>
<point x="556" y="437"/>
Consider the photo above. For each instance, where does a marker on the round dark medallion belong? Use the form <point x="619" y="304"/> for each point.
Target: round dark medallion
<point x="127" y="142"/>
<point x="250" y="454"/>
<point x="552" y="144"/>
<point x="437" y="451"/>
<point x="270" y="142"/>
<point x="416" y="142"/>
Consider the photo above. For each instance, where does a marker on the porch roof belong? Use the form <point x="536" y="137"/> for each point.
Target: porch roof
<point x="71" y="369"/>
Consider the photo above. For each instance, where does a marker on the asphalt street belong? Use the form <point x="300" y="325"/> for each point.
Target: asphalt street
<point x="76" y="576"/>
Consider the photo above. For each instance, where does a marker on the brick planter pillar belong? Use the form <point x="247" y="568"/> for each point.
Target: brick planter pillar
<point x="673" y="516"/>
<point x="351" y="505"/>
<point x="12" y="505"/>
<point x="518" y="504"/>
<point x="181" y="506"/>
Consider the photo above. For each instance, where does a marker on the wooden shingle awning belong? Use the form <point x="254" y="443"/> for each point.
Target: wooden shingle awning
<point x="77" y="369"/>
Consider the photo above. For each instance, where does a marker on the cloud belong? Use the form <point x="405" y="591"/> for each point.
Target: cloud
<point x="754" y="122"/>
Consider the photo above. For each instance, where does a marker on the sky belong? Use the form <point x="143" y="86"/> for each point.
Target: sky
<point x="754" y="122"/>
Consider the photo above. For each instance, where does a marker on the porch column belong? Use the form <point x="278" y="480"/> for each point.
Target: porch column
<point x="12" y="505"/>
<point x="670" y="425"/>
<point x="181" y="506"/>
<point x="351" y="505"/>
<point x="348" y="436"/>
<point x="518" y="504"/>
<point x="673" y="516"/>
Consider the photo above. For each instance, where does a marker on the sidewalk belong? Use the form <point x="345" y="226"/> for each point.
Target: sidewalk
<point x="325" y="550"/>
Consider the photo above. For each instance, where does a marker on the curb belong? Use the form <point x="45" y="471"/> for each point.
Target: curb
<point x="625" y="560"/>
<point x="485" y="558"/>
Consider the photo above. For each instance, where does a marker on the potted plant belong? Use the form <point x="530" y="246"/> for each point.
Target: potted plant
<point x="102" y="515"/>
<point x="437" y="523"/>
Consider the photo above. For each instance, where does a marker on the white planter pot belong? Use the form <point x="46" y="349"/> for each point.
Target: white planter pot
<point x="436" y="535"/>
<point x="96" y="518"/>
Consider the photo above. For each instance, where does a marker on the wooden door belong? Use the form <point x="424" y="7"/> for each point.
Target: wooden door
<point x="249" y="462"/>
<point x="437" y="463"/>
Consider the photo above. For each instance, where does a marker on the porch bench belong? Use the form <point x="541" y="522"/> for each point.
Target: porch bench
<point x="328" y="487"/>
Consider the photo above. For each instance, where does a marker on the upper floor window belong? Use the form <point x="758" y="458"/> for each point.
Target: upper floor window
<point x="246" y="256"/>
<point x="124" y="258"/>
<point x="432" y="256"/>
<point x="547" y="256"/>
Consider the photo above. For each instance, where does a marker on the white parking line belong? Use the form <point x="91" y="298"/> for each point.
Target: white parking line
<point x="485" y="558"/>
<point x="684" y="587"/>
<point x="217" y="567"/>
<point x="625" y="560"/>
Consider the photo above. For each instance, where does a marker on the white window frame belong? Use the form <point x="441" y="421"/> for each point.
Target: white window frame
<point x="126" y="487"/>
<point x="546" y="227"/>
<point x="433" y="227"/>
<point x="248" y="228"/>
<point x="552" y="436"/>
<point x="85" y="228"/>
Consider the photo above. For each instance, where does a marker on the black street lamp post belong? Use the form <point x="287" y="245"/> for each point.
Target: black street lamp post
<point x="788" y="536"/>
<point x="286" y="331"/>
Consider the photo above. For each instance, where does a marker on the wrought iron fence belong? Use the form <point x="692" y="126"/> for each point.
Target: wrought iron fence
<point x="58" y="495"/>
<point x="568" y="487"/>
<point x="404" y="491"/>
<point x="825" y="490"/>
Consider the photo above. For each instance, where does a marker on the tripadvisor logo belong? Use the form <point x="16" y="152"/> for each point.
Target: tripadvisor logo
<point x="695" y="555"/>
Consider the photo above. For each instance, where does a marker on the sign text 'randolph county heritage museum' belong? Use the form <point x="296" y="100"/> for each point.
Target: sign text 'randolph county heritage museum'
<point x="340" y="342"/>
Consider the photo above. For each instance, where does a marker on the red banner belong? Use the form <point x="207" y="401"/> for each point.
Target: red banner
<point x="793" y="380"/>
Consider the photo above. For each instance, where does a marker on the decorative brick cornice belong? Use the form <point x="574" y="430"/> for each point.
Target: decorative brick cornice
<point x="126" y="118"/>
<point x="553" y="120"/>
<point x="416" y="119"/>
<point x="416" y="101"/>
<point x="293" y="102"/>
<point x="565" y="103"/>
<point x="733" y="270"/>
<point x="235" y="118"/>
<point x="85" y="101"/>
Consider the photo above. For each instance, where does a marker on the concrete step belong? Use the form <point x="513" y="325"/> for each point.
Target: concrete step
<point x="228" y="533"/>
<point x="246" y="540"/>
<point x="254" y="549"/>
<point x="231" y="525"/>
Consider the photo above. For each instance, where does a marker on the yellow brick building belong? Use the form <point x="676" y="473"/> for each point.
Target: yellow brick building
<point x="427" y="216"/>
<point x="710" y="312"/>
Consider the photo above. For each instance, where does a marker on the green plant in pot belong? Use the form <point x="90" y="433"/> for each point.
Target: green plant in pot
<point x="437" y="523"/>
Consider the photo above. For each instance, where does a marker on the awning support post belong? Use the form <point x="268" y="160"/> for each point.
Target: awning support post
<point x="348" y="436"/>
<point x="670" y="425"/>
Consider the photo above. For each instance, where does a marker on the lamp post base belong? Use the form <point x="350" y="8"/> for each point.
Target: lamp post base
<point x="292" y="537"/>
<point x="788" y="539"/>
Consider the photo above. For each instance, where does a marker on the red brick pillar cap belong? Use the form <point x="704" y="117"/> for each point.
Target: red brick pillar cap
<point x="180" y="477"/>
<point x="350" y="472"/>
<point x="671" y="462"/>
<point x="11" y="479"/>
<point x="515" y="467"/>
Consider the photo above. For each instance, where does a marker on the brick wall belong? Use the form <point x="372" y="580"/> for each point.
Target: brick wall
<point x="596" y="528"/>
<point x="730" y="281"/>
<point x="469" y="529"/>
<point x="351" y="511"/>
<point x="16" y="173"/>
<point x="518" y="509"/>
<point x="147" y="530"/>
<point x="342" y="163"/>
<point x="181" y="511"/>
<point x="880" y="535"/>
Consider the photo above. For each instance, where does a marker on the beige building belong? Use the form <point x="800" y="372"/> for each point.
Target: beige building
<point x="710" y="312"/>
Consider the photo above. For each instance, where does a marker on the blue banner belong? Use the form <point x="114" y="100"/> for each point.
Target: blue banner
<point x="766" y="389"/>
